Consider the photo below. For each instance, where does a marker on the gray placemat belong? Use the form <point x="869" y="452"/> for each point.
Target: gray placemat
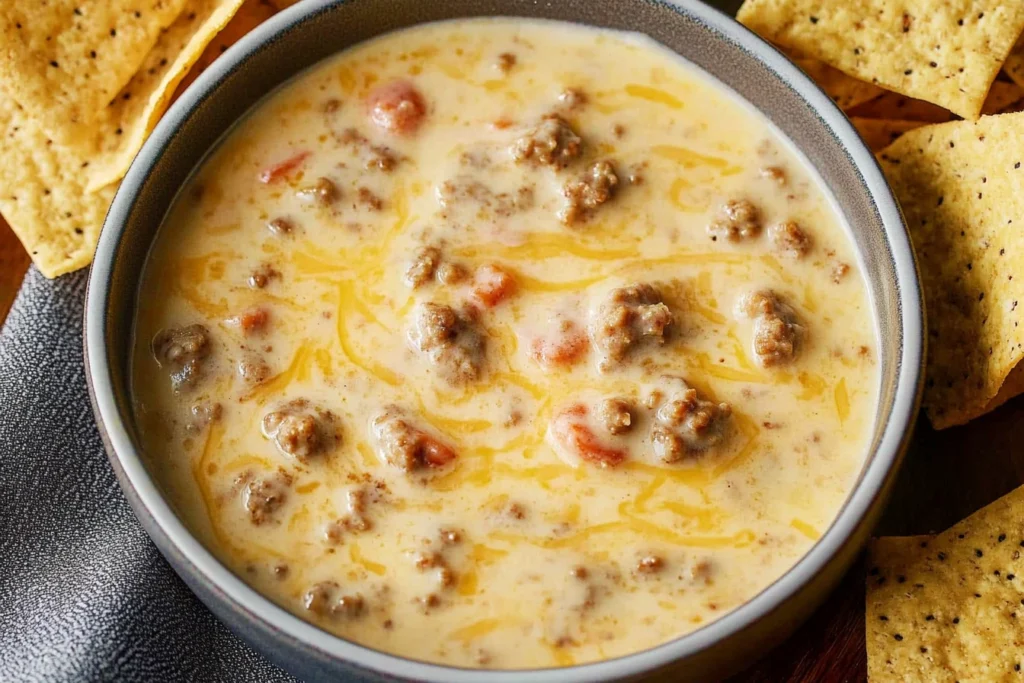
<point x="84" y="593"/>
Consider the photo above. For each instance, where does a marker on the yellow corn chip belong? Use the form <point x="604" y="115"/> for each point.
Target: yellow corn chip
<point x="945" y="52"/>
<point x="895" y="106"/>
<point x="1014" y="65"/>
<point x="1001" y="96"/>
<point x="64" y="60"/>
<point x="133" y="114"/>
<point x="880" y="133"/>
<point x="960" y="187"/>
<point x="43" y="195"/>
<point x="950" y="607"/>
<point x="50" y="207"/>
<point x="845" y="91"/>
<point x="251" y="14"/>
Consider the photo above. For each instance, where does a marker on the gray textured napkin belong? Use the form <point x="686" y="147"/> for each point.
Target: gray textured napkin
<point x="84" y="593"/>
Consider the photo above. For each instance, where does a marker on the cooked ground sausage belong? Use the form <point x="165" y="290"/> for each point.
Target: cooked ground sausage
<point x="374" y="156"/>
<point x="687" y="425"/>
<point x="615" y="415"/>
<point x="449" y="340"/>
<point x="630" y="316"/>
<point x="423" y="266"/>
<point x="280" y="226"/>
<point x="586" y="193"/>
<point x="320" y="600"/>
<point x="406" y="446"/>
<point x="367" y="198"/>
<point x="262" y="497"/>
<point x="789" y="239"/>
<point x="182" y="350"/>
<point x="253" y="369"/>
<point x="552" y="142"/>
<point x="505" y="62"/>
<point x="777" y="334"/>
<point x="397" y="107"/>
<point x="301" y="430"/>
<point x="324" y="192"/>
<point x="263" y="274"/>
<point x="465" y="188"/>
<point x="738" y="219"/>
<point x="572" y="98"/>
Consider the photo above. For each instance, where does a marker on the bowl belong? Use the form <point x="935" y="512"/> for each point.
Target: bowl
<point x="310" y="31"/>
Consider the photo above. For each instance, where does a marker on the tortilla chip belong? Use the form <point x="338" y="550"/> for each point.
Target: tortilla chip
<point x="1002" y="96"/>
<point x="895" y="106"/>
<point x="1014" y="64"/>
<point x="946" y="52"/>
<point x="43" y="195"/>
<point x="950" y="607"/>
<point x="880" y="133"/>
<point x="133" y="114"/>
<point x="64" y="60"/>
<point x="251" y="14"/>
<point x="960" y="187"/>
<point x="845" y="91"/>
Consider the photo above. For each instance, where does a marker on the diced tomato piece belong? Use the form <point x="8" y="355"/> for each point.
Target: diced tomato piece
<point x="565" y="349"/>
<point x="397" y="107"/>
<point x="252" y="321"/>
<point x="283" y="168"/>
<point x="492" y="284"/>
<point x="435" y="453"/>
<point x="571" y="429"/>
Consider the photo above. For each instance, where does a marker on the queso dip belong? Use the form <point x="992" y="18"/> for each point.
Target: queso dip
<point x="504" y="344"/>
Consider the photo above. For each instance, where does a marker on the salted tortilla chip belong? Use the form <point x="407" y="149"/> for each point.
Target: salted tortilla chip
<point x="43" y="195"/>
<point x="133" y="114"/>
<point x="895" y="106"/>
<point x="1001" y="96"/>
<point x="960" y="187"/>
<point x="880" y="133"/>
<point x="64" y="60"/>
<point x="1014" y="64"/>
<point x="845" y="91"/>
<point x="950" y="607"/>
<point x="251" y="14"/>
<point x="946" y="52"/>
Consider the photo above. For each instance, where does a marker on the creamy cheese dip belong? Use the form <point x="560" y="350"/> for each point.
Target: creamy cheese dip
<point x="505" y="344"/>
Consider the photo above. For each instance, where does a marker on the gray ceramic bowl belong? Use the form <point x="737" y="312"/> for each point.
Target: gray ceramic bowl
<point x="315" y="29"/>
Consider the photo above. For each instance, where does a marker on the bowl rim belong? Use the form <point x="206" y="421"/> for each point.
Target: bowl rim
<point x="145" y="497"/>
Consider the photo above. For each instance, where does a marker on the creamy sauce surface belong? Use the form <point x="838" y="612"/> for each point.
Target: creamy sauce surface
<point x="505" y="344"/>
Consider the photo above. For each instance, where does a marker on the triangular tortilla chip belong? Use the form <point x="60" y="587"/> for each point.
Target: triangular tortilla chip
<point x="43" y="196"/>
<point x="892" y="105"/>
<point x="880" y="133"/>
<point x="59" y="194"/>
<point x="1001" y="96"/>
<point x="64" y="60"/>
<point x="946" y="52"/>
<point x="1014" y="65"/>
<point x="960" y="187"/>
<point x="133" y="114"/>
<point x="845" y="91"/>
<point x="950" y="607"/>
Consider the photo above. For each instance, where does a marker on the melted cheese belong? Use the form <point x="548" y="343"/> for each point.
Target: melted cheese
<point x="545" y="570"/>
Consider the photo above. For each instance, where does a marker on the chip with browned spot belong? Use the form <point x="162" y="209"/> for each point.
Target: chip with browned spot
<point x="960" y="187"/>
<point x="947" y="53"/>
<point x="950" y="607"/>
